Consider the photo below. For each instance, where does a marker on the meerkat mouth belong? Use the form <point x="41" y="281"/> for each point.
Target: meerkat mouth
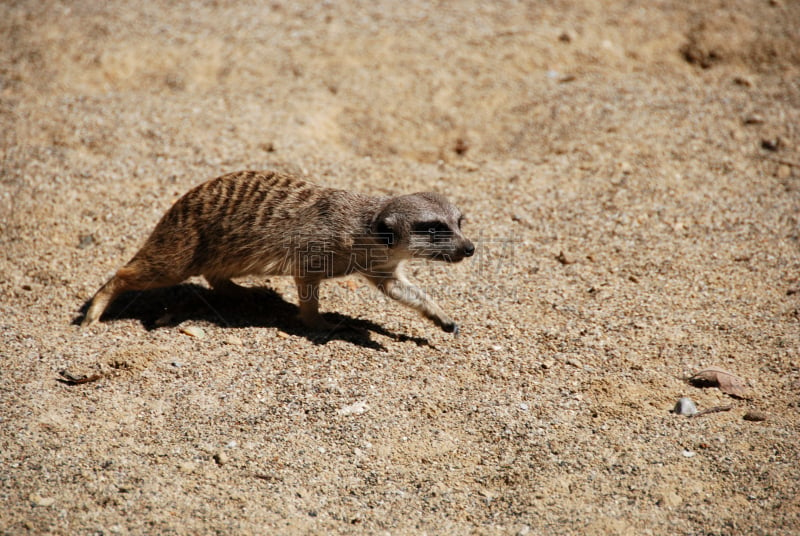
<point x="450" y="257"/>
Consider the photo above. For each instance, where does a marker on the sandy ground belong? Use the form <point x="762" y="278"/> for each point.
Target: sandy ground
<point x="631" y="176"/>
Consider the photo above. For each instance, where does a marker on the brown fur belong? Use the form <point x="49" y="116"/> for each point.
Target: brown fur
<point x="269" y="223"/>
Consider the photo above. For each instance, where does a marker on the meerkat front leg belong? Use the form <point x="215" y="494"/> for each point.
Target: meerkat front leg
<point x="397" y="287"/>
<point x="308" y="300"/>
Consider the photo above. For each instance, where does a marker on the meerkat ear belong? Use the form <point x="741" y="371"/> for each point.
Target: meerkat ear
<point x="383" y="229"/>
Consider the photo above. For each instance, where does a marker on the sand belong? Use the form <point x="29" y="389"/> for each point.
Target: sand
<point x="630" y="174"/>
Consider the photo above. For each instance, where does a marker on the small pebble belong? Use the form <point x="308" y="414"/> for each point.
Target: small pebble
<point x="38" y="500"/>
<point x="233" y="340"/>
<point x="771" y="144"/>
<point x="685" y="406"/>
<point x="670" y="499"/>
<point x="187" y="467"/>
<point x="565" y="259"/>
<point x="177" y="364"/>
<point x="520" y="219"/>
<point x="548" y="363"/>
<point x="688" y="453"/>
<point x="193" y="331"/>
<point x="784" y="172"/>
<point x="755" y="416"/>
<point x="84" y="241"/>
<point x="221" y="458"/>
<point x="753" y="119"/>
<point x="354" y="409"/>
<point x="574" y="362"/>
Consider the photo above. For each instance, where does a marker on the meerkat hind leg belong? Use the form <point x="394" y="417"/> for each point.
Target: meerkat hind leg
<point x="225" y="286"/>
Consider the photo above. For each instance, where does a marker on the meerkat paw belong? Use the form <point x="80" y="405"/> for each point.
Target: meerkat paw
<point x="316" y="323"/>
<point x="88" y="322"/>
<point x="447" y="324"/>
<point x="92" y="316"/>
<point x="450" y="327"/>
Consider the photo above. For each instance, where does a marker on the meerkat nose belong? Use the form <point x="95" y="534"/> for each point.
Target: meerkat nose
<point x="469" y="249"/>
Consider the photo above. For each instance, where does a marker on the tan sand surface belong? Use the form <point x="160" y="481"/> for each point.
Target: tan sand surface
<point x="631" y="176"/>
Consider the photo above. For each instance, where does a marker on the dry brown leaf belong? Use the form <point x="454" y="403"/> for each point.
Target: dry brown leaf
<point x="727" y="382"/>
<point x="76" y="379"/>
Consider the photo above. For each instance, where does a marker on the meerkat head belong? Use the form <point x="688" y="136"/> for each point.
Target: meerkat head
<point x="423" y="225"/>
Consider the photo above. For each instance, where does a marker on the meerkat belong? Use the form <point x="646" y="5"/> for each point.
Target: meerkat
<point x="269" y="223"/>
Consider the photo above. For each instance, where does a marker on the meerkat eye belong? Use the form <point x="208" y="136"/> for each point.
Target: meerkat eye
<point x="426" y="227"/>
<point x="436" y="231"/>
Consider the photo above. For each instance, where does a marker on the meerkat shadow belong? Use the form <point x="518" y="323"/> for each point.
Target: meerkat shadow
<point x="252" y="307"/>
<point x="348" y="327"/>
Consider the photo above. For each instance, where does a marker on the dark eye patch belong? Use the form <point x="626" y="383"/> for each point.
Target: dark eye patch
<point x="436" y="230"/>
<point x="430" y="227"/>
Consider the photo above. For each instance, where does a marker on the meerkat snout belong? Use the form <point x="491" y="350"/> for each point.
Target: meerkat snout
<point x="267" y="223"/>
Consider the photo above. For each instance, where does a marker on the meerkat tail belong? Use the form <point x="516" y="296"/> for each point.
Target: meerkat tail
<point x="127" y="278"/>
<point x="101" y="300"/>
